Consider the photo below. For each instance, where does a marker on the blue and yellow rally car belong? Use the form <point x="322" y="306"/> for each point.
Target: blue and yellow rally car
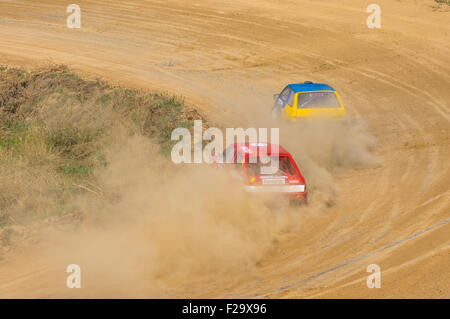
<point x="307" y="100"/>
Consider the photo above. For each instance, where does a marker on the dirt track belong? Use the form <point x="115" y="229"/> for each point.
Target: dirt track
<point x="228" y="58"/>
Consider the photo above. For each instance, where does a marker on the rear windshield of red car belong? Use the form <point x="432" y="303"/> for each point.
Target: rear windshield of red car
<point x="285" y="166"/>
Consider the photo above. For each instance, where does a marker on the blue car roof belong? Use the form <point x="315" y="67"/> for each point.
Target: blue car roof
<point x="309" y="86"/>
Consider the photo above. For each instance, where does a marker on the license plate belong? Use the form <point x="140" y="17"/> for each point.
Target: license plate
<point x="274" y="181"/>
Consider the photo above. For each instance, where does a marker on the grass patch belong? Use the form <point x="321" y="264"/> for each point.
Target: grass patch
<point x="55" y="127"/>
<point x="74" y="169"/>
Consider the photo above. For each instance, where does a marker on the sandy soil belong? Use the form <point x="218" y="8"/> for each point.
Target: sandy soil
<point x="228" y="58"/>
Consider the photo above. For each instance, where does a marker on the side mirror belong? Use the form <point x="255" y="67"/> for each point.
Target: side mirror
<point x="276" y="96"/>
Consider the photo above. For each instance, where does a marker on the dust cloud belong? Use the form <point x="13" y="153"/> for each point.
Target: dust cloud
<point x="324" y="149"/>
<point x="153" y="223"/>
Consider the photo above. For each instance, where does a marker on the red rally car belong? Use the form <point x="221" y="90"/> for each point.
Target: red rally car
<point x="252" y="161"/>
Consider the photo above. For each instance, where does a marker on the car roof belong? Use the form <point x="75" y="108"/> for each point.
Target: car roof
<point x="310" y="86"/>
<point x="255" y="148"/>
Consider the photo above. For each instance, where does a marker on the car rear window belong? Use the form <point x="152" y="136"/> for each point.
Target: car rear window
<point x="285" y="166"/>
<point x="317" y="100"/>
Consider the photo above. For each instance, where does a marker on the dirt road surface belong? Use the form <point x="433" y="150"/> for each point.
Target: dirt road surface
<point x="228" y="58"/>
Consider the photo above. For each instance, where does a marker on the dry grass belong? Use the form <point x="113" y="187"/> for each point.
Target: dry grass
<point x="54" y="128"/>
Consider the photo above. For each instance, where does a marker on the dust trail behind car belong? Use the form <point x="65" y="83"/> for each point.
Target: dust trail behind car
<point x="162" y="224"/>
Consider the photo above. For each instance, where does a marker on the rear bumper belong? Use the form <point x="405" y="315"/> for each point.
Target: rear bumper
<point x="295" y="193"/>
<point x="285" y="189"/>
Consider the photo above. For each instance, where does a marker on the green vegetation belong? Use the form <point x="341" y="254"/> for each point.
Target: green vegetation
<point x="443" y="1"/>
<point x="54" y="129"/>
